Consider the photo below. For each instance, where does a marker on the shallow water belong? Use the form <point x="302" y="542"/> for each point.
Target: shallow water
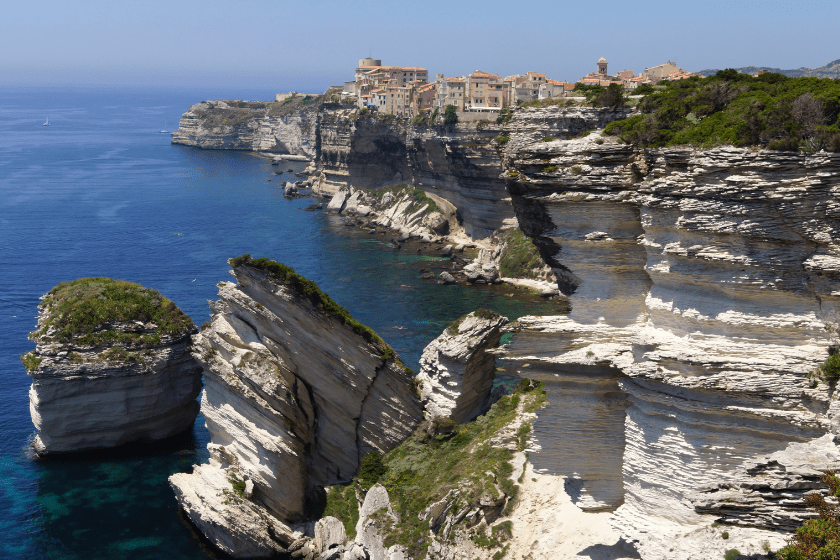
<point x="101" y="193"/>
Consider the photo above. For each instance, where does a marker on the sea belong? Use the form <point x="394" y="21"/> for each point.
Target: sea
<point x="101" y="191"/>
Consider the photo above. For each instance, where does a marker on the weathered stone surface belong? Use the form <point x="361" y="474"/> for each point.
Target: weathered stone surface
<point x="367" y="529"/>
<point x="218" y="125"/>
<point x="706" y="280"/>
<point x="456" y="375"/>
<point x="769" y="492"/>
<point x="293" y="399"/>
<point x="90" y="397"/>
<point x="329" y="533"/>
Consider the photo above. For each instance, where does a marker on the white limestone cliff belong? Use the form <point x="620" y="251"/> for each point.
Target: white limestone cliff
<point x="294" y="397"/>
<point x="703" y="282"/>
<point x="456" y="371"/>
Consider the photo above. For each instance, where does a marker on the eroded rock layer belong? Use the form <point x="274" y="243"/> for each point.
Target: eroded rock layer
<point x="294" y="397"/>
<point x="705" y="280"/>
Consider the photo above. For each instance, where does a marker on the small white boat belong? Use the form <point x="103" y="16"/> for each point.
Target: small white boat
<point x="164" y="131"/>
<point x="47" y="122"/>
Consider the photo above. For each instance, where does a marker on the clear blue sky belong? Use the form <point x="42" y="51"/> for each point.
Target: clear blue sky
<point x="307" y="46"/>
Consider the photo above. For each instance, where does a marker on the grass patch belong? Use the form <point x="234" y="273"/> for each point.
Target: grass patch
<point x="550" y="169"/>
<point x="423" y="470"/>
<point x="84" y="312"/>
<point x="520" y="257"/>
<point x="502" y="140"/>
<point x="343" y="505"/>
<point x="30" y="361"/>
<point x="455" y="326"/>
<point x="549" y="138"/>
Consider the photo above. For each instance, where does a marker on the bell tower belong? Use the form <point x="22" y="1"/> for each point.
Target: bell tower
<point x="602" y="66"/>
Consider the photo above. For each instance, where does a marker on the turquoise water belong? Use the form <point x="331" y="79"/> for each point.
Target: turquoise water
<point x="100" y="192"/>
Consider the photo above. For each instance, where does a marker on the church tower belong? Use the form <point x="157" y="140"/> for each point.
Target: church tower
<point x="602" y="66"/>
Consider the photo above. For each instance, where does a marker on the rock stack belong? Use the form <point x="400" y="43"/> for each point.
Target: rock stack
<point x="111" y="366"/>
<point x="457" y="372"/>
<point x="296" y="393"/>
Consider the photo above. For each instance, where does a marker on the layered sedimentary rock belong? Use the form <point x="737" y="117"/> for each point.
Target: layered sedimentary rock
<point x="456" y="375"/>
<point x="254" y="126"/>
<point x="769" y="492"/>
<point x="104" y="373"/>
<point x="702" y="281"/>
<point x="296" y="393"/>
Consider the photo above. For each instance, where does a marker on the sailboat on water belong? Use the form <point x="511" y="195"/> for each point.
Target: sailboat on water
<point x="164" y="131"/>
<point x="47" y="122"/>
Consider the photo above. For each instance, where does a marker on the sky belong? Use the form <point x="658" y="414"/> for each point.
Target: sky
<point x="307" y="46"/>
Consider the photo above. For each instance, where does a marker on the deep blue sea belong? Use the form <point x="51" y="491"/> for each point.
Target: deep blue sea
<point x="101" y="192"/>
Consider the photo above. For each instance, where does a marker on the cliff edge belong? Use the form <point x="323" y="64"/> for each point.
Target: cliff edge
<point x="296" y="393"/>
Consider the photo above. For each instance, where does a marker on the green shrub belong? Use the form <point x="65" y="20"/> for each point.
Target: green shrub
<point x="818" y="539"/>
<point x="372" y="469"/>
<point x="82" y="310"/>
<point x="520" y="258"/>
<point x="450" y="115"/>
<point x="549" y="138"/>
<point x="831" y="367"/>
<point x="724" y="535"/>
<point x="731" y="554"/>
<point x="30" y="361"/>
<point x="550" y="169"/>
<point x="731" y="108"/>
<point x="502" y="139"/>
<point x="241" y="104"/>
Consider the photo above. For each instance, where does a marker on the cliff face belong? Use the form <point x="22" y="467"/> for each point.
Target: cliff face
<point x="273" y="127"/>
<point x="111" y="381"/>
<point x="293" y="399"/>
<point x="461" y="163"/>
<point x="702" y="282"/>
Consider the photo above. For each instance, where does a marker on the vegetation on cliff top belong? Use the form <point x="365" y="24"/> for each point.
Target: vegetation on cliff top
<point x="455" y="326"/>
<point x="818" y="539"/>
<point x="770" y="110"/>
<point x="308" y="289"/>
<point x="430" y="463"/>
<point x="85" y="312"/>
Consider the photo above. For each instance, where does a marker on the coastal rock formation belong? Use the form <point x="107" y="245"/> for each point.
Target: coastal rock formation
<point x="456" y="375"/>
<point x="255" y="126"/>
<point x="703" y="282"/>
<point x="463" y="164"/>
<point x="400" y="208"/>
<point x="111" y="366"/>
<point x="296" y="392"/>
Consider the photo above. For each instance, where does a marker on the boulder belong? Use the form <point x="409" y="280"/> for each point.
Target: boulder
<point x="446" y="278"/>
<point x="337" y="202"/>
<point x="329" y="533"/>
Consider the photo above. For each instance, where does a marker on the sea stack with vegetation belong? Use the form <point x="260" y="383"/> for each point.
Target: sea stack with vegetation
<point x="296" y="393"/>
<point x="111" y="366"/>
